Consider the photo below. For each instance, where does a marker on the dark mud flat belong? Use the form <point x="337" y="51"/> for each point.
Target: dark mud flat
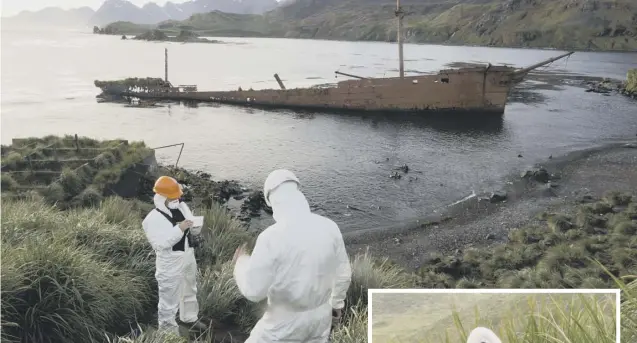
<point x="477" y="222"/>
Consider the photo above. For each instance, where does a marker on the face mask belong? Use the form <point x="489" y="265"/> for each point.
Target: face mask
<point x="173" y="205"/>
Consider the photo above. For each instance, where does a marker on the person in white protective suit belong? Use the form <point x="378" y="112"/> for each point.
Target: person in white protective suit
<point x="167" y="227"/>
<point x="299" y="264"/>
<point x="483" y="335"/>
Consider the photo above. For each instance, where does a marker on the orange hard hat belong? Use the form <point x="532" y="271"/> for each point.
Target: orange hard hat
<point x="168" y="187"/>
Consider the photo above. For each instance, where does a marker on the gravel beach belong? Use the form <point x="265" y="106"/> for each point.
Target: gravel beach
<point x="479" y="222"/>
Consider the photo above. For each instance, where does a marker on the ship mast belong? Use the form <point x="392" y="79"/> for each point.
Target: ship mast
<point x="166" y="64"/>
<point x="400" y="15"/>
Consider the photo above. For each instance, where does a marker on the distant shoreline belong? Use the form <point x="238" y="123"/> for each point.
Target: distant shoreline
<point x="203" y="35"/>
<point x="86" y="30"/>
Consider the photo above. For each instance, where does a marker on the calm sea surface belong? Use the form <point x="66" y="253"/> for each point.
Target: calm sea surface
<point x="344" y="162"/>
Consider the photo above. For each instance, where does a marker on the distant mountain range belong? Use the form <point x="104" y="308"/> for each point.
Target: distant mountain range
<point x="52" y="16"/>
<point x="559" y="24"/>
<point x="123" y="10"/>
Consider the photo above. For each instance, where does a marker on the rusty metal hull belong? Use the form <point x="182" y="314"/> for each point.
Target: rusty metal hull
<point x="482" y="90"/>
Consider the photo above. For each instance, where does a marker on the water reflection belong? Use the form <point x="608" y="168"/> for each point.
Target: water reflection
<point x="191" y="104"/>
<point x="456" y="123"/>
<point x="459" y="124"/>
<point x="527" y="96"/>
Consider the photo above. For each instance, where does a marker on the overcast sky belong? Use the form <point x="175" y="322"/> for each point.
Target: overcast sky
<point x="12" y="7"/>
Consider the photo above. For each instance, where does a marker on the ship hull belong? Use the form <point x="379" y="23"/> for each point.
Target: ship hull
<point x="467" y="90"/>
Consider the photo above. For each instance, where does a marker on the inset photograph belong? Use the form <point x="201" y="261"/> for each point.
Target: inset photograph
<point x="494" y="316"/>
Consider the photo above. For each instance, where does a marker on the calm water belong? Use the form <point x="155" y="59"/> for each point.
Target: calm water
<point x="47" y="88"/>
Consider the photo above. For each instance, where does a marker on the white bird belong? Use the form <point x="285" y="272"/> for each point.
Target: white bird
<point x="483" y="335"/>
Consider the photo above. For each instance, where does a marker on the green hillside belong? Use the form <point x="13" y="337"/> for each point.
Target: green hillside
<point x="561" y="24"/>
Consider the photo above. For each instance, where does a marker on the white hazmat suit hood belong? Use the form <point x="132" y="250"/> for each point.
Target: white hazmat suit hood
<point x="483" y="335"/>
<point x="176" y="268"/>
<point x="299" y="264"/>
<point x="288" y="203"/>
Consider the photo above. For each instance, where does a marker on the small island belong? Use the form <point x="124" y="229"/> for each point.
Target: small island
<point x="184" y="36"/>
<point x="152" y="35"/>
<point x="108" y="30"/>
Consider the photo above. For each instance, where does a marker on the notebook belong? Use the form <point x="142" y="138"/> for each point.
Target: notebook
<point x="197" y="221"/>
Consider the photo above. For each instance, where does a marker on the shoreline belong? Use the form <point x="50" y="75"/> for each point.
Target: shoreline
<point x="245" y="201"/>
<point x="204" y="34"/>
<point x="479" y="222"/>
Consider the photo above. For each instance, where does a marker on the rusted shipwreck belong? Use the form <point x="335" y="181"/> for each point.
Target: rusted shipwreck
<point x="481" y="89"/>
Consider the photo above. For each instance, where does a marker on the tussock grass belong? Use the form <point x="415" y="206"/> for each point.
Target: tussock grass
<point x="150" y="337"/>
<point x="585" y="319"/>
<point x="557" y="255"/>
<point x="368" y="272"/>
<point x="12" y="159"/>
<point x="126" y="212"/>
<point x="356" y="329"/>
<point x="220" y="299"/>
<point x="628" y="310"/>
<point x="617" y="198"/>
<point x="56" y="292"/>
<point x="27" y="220"/>
<point x="222" y="234"/>
<point x="86" y="173"/>
<point x="90" y="196"/>
<point x="8" y="182"/>
<point x="87" y="275"/>
<point x="595" y="248"/>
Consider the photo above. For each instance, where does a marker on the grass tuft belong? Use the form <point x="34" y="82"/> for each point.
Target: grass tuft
<point x="354" y="326"/>
<point x="223" y="234"/>
<point x="57" y="292"/>
<point x="368" y="272"/>
<point x="221" y="301"/>
<point x="617" y="198"/>
<point x="8" y="182"/>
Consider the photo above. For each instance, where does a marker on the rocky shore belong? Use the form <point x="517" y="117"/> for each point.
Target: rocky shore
<point x="201" y="190"/>
<point x="558" y="185"/>
<point x="607" y="86"/>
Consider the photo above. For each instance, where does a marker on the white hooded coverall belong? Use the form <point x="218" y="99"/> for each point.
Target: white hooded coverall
<point x="176" y="270"/>
<point x="300" y="265"/>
